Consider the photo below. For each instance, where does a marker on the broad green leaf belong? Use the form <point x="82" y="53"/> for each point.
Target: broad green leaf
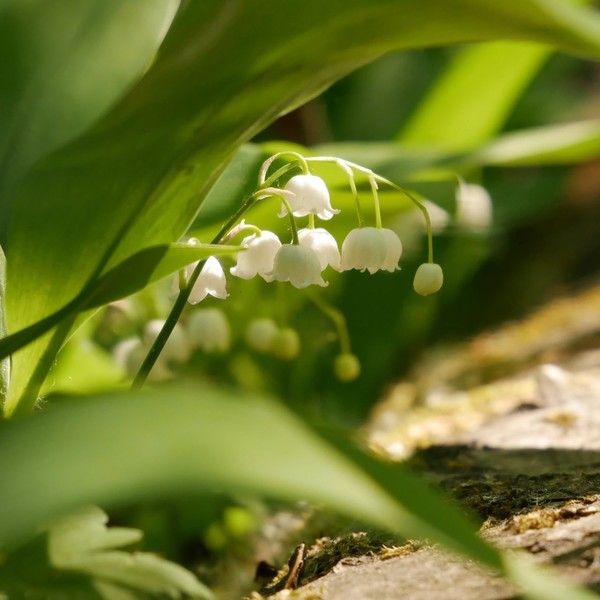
<point x="112" y="450"/>
<point x="179" y="445"/>
<point x="474" y="96"/>
<point x="64" y="63"/>
<point x="132" y="275"/>
<point x="138" y="177"/>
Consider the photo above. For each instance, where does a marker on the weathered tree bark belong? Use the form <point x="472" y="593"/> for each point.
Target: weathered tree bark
<point x="531" y="472"/>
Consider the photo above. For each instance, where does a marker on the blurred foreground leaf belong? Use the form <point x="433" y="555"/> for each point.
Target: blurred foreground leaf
<point x="126" y="448"/>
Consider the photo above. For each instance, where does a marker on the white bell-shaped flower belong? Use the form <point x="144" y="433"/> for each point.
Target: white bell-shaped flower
<point x="258" y="257"/>
<point x="177" y="348"/>
<point x="309" y="195"/>
<point x="261" y="333"/>
<point x="299" y="265"/>
<point x="208" y="329"/>
<point x="371" y="248"/>
<point x="428" y="280"/>
<point x="323" y="244"/>
<point x="473" y="206"/>
<point x="393" y="250"/>
<point x="211" y="282"/>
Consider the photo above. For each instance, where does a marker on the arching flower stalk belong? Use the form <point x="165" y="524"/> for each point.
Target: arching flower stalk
<point x="311" y="250"/>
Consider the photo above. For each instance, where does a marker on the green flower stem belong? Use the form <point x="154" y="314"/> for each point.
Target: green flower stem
<point x="159" y="343"/>
<point x="376" y="203"/>
<point x="356" y="200"/>
<point x="422" y="208"/>
<point x="292" y="220"/>
<point x="182" y="298"/>
<point x="381" y="179"/>
<point x="311" y="221"/>
<point x="336" y="317"/>
<point x="279" y="173"/>
<point x="262" y="174"/>
<point x="241" y="228"/>
<point x="342" y="164"/>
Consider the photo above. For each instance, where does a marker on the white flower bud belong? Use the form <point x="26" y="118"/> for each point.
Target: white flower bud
<point x="323" y="244"/>
<point x="258" y="257"/>
<point x="429" y="278"/>
<point x="298" y="265"/>
<point x="371" y="248"/>
<point x="176" y="349"/>
<point x="473" y="206"/>
<point x="261" y="333"/>
<point x="286" y="344"/>
<point x="346" y="367"/>
<point x="211" y="282"/>
<point x="309" y="195"/>
<point x="208" y="329"/>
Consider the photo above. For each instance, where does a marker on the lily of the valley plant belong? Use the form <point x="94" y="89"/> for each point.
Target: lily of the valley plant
<point x="303" y="258"/>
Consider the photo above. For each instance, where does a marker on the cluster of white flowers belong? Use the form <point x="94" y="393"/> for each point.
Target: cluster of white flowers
<point x="311" y="251"/>
<point x="302" y="263"/>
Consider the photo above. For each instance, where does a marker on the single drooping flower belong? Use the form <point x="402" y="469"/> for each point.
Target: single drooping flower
<point x="260" y="334"/>
<point x="429" y="278"/>
<point x="210" y="282"/>
<point x="323" y="244"/>
<point x="299" y="265"/>
<point x="473" y="206"/>
<point x="258" y="256"/>
<point x="371" y="249"/>
<point x="208" y="329"/>
<point x="308" y="195"/>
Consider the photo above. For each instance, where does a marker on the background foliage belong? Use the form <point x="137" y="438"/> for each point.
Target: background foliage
<point x="126" y="123"/>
